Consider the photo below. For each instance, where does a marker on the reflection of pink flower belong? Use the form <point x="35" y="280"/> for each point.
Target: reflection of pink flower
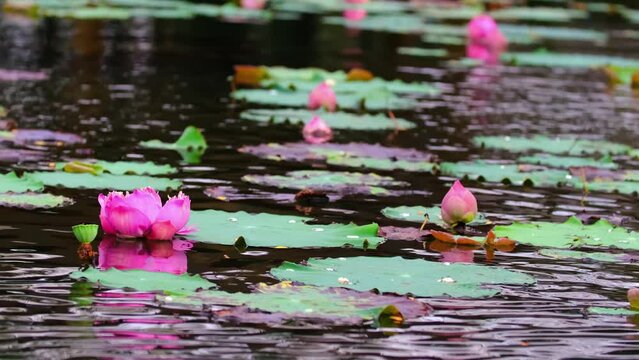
<point x="459" y="205"/>
<point x="457" y="256"/>
<point x="133" y="254"/>
<point x="253" y="4"/>
<point x="322" y="96"/>
<point x="485" y="40"/>
<point x="317" y="131"/>
<point x="141" y="214"/>
<point x="355" y="14"/>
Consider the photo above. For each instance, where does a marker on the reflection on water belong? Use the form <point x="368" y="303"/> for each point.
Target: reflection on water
<point x="118" y="83"/>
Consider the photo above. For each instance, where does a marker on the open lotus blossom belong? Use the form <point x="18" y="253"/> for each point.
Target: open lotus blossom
<point x="459" y="205"/>
<point x="355" y="14"/>
<point x="322" y="96"/>
<point x="633" y="298"/>
<point x="253" y="4"/>
<point x="317" y="131"/>
<point x="485" y="40"/>
<point x="141" y="214"/>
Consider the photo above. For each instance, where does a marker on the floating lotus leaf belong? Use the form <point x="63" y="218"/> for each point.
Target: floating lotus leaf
<point x="416" y="214"/>
<point x="397" y="23"/>
<point x="552" y="59"/>
<point x="570" y="234"/>
<point x="556" y="145"/>
<point x="103" y="181"/>
<point x="336" y="120"/>
<point x="284" y="301"/>
<point x="125" y="167"/>
<point x="546" y="14"/>
<point x="580" y="255"/>
<point x="527" y="33"/>
<point x="450" y="12"/>
<point x="191" y="145"/>
<point x="422" y="52"/>
<point x="372" y="100"/>
<point x="11" y="183"/>
<point x="622" y="74"/>
<point x="343" y="183"/>
<point x="565" y="162"/>
<point x="344" y="87"/>
<point x="596" y="310"/>
<point x="33" y="200"/>
<point x="141" y="280"/>
<point x="323" y="6"/>
<point x="269" y="230"/>
<point x="397" y="275"/>
<point x="513" y="173"/>
<point x="372" y="156"/>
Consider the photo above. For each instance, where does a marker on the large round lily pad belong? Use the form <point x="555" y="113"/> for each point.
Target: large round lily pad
<point x="11" y="182"/>
<point x="570" y="234"/>
<point x="557" y="145"/>
<point x="398" y="275"/>
<point x="336" y="120"/>
<point x="270" y="230"/>
<point x="103" y="181"/>
<point x="506" y="172"/>
<point x="416" y="214"/>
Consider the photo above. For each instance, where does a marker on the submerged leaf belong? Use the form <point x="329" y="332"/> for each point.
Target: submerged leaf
<point x="398" y="275"/>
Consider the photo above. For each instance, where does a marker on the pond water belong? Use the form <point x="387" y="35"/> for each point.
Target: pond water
<point x="121" y="82"/>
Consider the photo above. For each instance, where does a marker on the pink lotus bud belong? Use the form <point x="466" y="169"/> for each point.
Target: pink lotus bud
<point x="141" y="214"/>
<point x="322" y="96"/>
<point x="253" y="4"/>
<point x="459" y="205"/>
<point x="485" y="40"/>
<point x="633" y="298"/>
<point x="355" y="14"/>
<point x="317" y="131"/>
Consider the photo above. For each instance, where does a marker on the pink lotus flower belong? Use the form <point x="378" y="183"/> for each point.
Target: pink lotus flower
<point x="253" y="4"/>
<point x="355" y="14"/>
<point x="485" y="40"/>
<point x="322" y="96"/>
<point x="141" y="214"/>
<point x="459" y="205"/>
<point x="149" y="255"/>
<point x="633" y="298"/>
<point x="317" y="131"/>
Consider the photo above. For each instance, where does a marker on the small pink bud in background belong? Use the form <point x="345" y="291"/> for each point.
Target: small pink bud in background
<point x="317" y="131"/>
<point x="459" y="205"/>
<point x="355" y="14"/>
<point x="485" y="40"/>
<point x="253" y="4"/>
<point x="322" y="96"/>
<point x="633" y="298"/>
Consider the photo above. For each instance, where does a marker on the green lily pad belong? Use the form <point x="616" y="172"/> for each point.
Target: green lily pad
<point x="596" y="310"/>
<point x="570" y="234"/>
<point x="567" y="161"/>
<point x="141" y="280"/>
<point x="191" y="139"/>
<point x="269" y="230"/>
<point x="11" y="183"/>
<point x="623" y="74"/>
<point x="527" y="34"/>
<point x="580" y="255"/>
<point x="552" y="59"/>
<point x="450" y="13"/>
<point x="393" y="23"/>
<point x="402" y="276"/>
<point x="33" y="200"/>
<point x="557" y="145"/>
<point x="336" y="120"/>
<point x="372" y="100"/>
<point x="324" y="6"/>
<point x="341" y="183"/>
<point x="416" y="214"/>
<point x="103" y="181"/>
<point x="546" y="14"/>
<point x="344" y="87"/>
<point x="125" y="167"/>
<point x="515" y="174"/>
<point x="380" y="164"/>
<point x="422" y="52"/>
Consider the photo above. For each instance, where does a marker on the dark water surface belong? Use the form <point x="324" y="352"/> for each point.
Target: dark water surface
<point x="118" y="83"/>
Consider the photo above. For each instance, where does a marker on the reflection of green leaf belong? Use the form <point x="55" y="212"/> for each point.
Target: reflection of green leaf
<point x="416" y="214"/>
<point x="398" y="275"/>
<point x="513" y="173"/>
<point x="570" y="234"/>
<point x="579" y="255"/>
<point x="557" y="145"/>
<point x="33" y="200"/>
<point x="340" y="182"/>
<point x="269" y="230"/>
<point x="336" y="120"/>
<point x="103" y="181"/>
<point x="10" y="182"/>
<point x="567" y="161"/>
